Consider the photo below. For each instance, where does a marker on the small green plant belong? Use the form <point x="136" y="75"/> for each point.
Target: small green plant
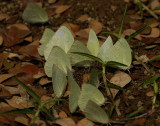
<point x="40" y="105"/>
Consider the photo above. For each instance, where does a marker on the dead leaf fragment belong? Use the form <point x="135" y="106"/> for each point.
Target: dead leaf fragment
<point x="83" y="33"/>
<point x="139" y="121"/>
<point x="150" y="94"/>
<point x="84" y="122"/>
<point x="51" y="1"/>
<point x="3" y="16"/>
<point x="96" y="26"/>
<point x="155" y="32"/>
<point x="83" y="18"/>
<point x="3" y="92"/>
<point x="154" y="4"/>
<point x="62" y="114"/>
<point x="121" y="79"/>
<point x="4" y="77"/>
<point x="22" y="119"/>
<point x="154" y="25"/>
<point x="128" y="32"/>
<point x="65" y="122"/>
<point x="62" y="8"/>
<point x="44" y="81"/>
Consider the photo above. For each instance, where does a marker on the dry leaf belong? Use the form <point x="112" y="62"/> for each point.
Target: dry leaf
<point x="62" y="8"/>
<point x="83" y="18"/>
<point x="150" y="94"/>
<point x="12" y="90"/>
<point x="44" y="81"/>
<point x="16" y="101"/>
<point x="3" y="16"/>
<point x="72" y="27"/>
<point x="4" y="119"/>
<point x="140" y="121"/>
<point x="96" y="26"/>
<point x="154" y="4"/>
<point x="39" y="90"/>
<point x="22" y="119"/>
<point x="84" y="122"/>
<point x="4" y="77"/>
<point x="3" y="92"/>
<point x="40" y="73"/>
<point x="128" y="32"/>
<point x="31" y="49"/>
<point x="154" y="25"/>
<point x="65" y="122"/>
<point x="83" y="33"/>
<point x="28" y="39"/>
<point x="62" y="114"/>
<point x="19" y="26"/>
<point x="155" y="32"/>
<point x="148" y="41"/>
<point x="151" y="46"/>
<point x="121" y="79"/>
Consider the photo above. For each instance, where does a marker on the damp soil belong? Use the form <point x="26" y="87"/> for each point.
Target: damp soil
<point x="109" y="13"/>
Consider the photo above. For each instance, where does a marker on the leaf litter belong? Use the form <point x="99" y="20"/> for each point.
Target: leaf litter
<point x="21" y="32"/>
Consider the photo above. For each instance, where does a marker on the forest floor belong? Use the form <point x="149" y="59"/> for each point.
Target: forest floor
<point x="19" y="42"/>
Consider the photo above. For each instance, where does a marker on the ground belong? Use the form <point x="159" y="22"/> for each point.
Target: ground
<point x="19" y="56"/>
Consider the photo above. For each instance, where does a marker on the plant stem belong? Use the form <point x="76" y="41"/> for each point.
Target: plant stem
<point x="150" y="11"/>
<point x="36" y="115"/>
<point x="108" y="90"/>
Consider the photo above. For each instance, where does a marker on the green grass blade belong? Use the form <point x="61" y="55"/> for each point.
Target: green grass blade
<point x="157" y="8"/>
<point x="134" y="113"/>
<point x="154" y="58"/>
<point x="122" y="21"/>
<point x="30" y="91"/>
<point x="110" y="33"/>
<point x="151" y="80"/>
<point x="138" y="31"/>
<point x="114" y="64"/>
<point x="140" y="7"/>
<point x="51" y="100"/>
<point x="18" y="111"/>
<point x="111" y="85"/>
<point x="44" y="109"/>
<point x="89" y="56"/>
<point x="111" y="109"/>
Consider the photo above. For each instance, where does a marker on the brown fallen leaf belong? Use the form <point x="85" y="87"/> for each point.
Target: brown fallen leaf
<point x="62" y="8"/>
<point x="62" y="114"/>
<point x="4" y="77"/>
<point x="19" y="26"/>
<point x="139" y="121"/>
<point x="154" y="4"/>
<point x="3" y="92"/>
<point x="83" y="18"/>
<point x="30" y="69"/>
<point x="83" y="33"/>
<point x="96" y="26"/>
<point x="3" y="16"/>
<point x="150" y="94"/>
<point x="31" y="49"/>
<point x="14" y="36"/>
<point x="128" y="32"/>
<point x="72" y="27"/>
<point x="151" y="46"/>
<point x="154" y="24"/>
<point x="4" y="119"/>
<point x="155" y="63"/>
<point x="65" y="122"/>
<point x="12" y="90"/>
<point x="29" y="39"/>
<point x="16" y="101"/>
<point x="40" y="74"/>
<point x="121" y="79"/>
<point x="148" y="41"/>
<point x="44" y="81"/>
<point x="84" y="122"/>
<point x="155" y="32"/>
<point x="22" y="119"/>
<point x="24" y="77"/>
<point x="39" y="90"/>
<point x="12" y="19"/>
